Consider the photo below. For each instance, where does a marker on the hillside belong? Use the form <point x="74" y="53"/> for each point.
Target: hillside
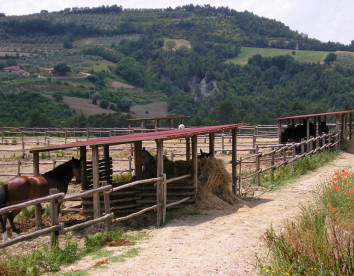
<point x="127" y="57"/>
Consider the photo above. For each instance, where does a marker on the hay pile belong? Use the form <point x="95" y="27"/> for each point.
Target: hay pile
<point x="215" y="179"/>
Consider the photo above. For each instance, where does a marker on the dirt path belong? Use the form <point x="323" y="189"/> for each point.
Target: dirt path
<point x="221" y="242"/>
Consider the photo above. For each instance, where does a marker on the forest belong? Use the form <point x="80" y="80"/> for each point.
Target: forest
<point x="197" y="79"/>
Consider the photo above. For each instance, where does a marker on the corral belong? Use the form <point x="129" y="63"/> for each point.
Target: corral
<point x="129" y="199"/>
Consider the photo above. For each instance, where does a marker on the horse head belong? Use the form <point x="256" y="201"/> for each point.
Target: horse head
<point x="323" y="128"/>
<point x="204" y="154"/>
<point x="76" y="166"/>
<point x="146" y="158"/>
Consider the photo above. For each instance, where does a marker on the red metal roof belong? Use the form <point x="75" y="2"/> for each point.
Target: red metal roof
<point x="316" y="115"/>
<point x="163" y="135"/>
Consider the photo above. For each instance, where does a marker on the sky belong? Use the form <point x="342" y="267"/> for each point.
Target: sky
<point x="326" y="20"/>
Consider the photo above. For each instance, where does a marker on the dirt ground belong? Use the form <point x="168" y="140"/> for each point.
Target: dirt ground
<point x="222" y="240"/>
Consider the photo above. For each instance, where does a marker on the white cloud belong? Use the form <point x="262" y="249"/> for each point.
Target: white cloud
<point x="321" y="19"/>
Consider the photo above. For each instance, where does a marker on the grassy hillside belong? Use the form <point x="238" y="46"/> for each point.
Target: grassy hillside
<point x="300" y="55"/>
<point x="189" y="57"/>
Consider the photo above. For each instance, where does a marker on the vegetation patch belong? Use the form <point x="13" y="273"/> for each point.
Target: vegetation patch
<point x="50" y="259"/>
<point x="306" y="246"/>
<point x="299" y="55"/>
<point x="283" y="175"/>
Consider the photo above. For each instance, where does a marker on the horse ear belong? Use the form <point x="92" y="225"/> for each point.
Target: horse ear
<point x="201" y="152"/>
<point x="143" y="148"/>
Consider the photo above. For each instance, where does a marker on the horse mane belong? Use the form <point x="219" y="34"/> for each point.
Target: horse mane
<point x="59" y="171"/>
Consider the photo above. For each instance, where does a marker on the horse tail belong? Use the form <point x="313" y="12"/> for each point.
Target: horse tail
<point x="3" y="195"/>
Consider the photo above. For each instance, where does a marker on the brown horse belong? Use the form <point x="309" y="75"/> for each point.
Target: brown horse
<point x="23" y="188"/>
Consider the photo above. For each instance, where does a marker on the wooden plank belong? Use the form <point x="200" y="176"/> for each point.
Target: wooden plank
<point x="33" y="235"/>
<point x="87" y="193"/>
<point x="87" y="223"/>
<point x="107" y="208"/>
<point x="136" y="214"/>
<point x="178" y="202"/>
<point x="95" y="177"/>
<point x="135" y="183"/>
<point x="30" y="202"/>
<point x="178" y="178"/>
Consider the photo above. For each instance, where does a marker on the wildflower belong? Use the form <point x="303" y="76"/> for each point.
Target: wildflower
<point x="336" y="187"/>
<point x="334" y="179"/>
<point x="336" y="173"/>
<point x="347" y="192"/>
<point x="330" y="205"/>
<point x="329" y="184"/>
<point x="334" y="209"/>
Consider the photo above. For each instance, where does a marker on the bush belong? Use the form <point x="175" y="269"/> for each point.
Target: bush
<point x="104" y="104"/>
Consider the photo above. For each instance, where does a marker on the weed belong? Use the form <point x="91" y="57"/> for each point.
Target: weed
<point x="124" y="177"/>
<point x="2" y="183"/>
<point x="100" y="239"/>
<point x="129" y="254"/>
<point x="305" y="247"/>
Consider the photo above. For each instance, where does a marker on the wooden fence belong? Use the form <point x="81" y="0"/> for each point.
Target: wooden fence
<point x="56" y="198"/>
<point x="264" y="161"/>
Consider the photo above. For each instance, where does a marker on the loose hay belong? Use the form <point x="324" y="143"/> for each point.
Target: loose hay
<point x="215" y="179"/>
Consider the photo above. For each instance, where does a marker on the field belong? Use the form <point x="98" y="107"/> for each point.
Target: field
<point x="300" y="55"/>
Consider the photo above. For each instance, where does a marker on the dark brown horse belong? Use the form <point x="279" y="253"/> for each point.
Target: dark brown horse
<point x="23" y="188"/>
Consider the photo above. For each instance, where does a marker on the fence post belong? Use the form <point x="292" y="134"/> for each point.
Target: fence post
<point x="19" y="168"/>
<point x="2" y="135"/>
<point x="222" y="143"/>
<point x="302" y="146"/>
<point x="130" y="164"/>
<point x="258" y="166"/>
<point x="107" y="208"/>
<point x="164" y="189"/>
<point x="172" y="156"/>
<point x="255" y="131"/>
<point x="23" y="144"/>
<point x="273" y="162"/>
<point x="54" y="212"/>
<point x="239" y="177"/>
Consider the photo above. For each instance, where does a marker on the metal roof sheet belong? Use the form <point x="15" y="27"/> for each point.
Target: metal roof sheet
<point x="124" y="139"/>
<point x="316" y="115"/>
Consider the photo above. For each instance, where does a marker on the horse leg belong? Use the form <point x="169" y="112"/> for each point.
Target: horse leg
<point x="11" y="217"/>
<point x="3" y="219"/>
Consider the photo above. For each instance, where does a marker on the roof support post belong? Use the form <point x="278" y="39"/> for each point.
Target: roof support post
<point x="234" y="161"/>
<point x="212" y="143"/>
<point x="159" y="186"/>
<point x="84" y="184"/>
<point x="96" y="180"/>
<point x="279" y="131"/>
<point x="37" y="207"/>
<point x="308" y="129"/>
<point x="195" y="161"/>
<point x="188" y="149"/>
<point x="137" y="159"/>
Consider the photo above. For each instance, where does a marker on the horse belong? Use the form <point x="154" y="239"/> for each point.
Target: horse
<point x="23" y="188"/>
<point x="297" y="132"/>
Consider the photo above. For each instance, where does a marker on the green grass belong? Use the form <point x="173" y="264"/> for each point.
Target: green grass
<point x="304" y="246"/>
<point x="50" y="260"/>
<point x="300" y="55"/>
<point x="290" y="172"/>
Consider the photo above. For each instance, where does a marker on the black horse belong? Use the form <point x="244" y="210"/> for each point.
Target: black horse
<point x="204" y="154"/>
<point x="296" y="133"/>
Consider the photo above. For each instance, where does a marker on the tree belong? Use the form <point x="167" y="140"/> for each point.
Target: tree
<point x="61" y="69"/>
<point x="331" y="57"/>
<point x="58" y="96"/>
